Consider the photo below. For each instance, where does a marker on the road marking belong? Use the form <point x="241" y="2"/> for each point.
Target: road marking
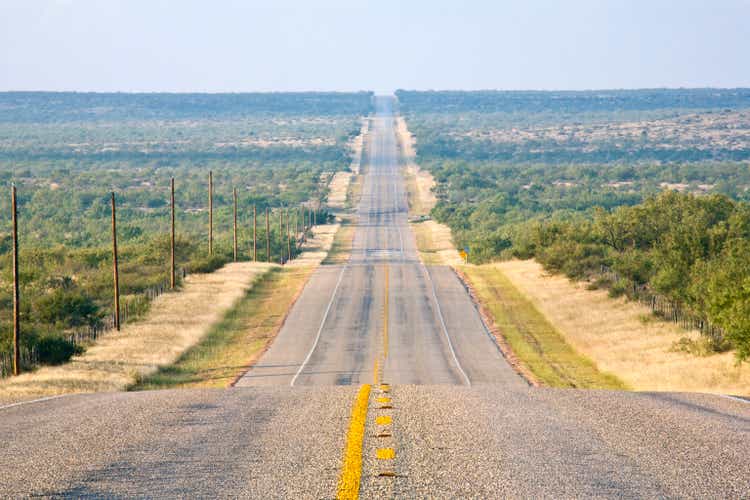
<point x="322" y="324"/>
<point x="384" y="420"/>
<point x="40" y="400"/>
<point x="383" y="399"/>
<point x="442" y="323"/>
<point x="351" y="470"/>
<point x="385" y="322"/>
<point x="735" y="398"/>
<point x="385" y="454"/>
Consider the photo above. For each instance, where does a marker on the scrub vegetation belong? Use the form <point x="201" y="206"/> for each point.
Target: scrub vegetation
<point x="649" y="186"/>
<point x="66" y="152"/>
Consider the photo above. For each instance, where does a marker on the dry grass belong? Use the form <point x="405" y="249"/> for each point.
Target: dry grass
<point x="532" y="339"/>
<point x="435" y="244"/>
<point x="175" y="322"/>
<point x="317" y="246"/>
<point x="623" y="338"/>
<point x="342" y="243"/>
<point x="338" y="189"/>
<point x="239" y="339"/>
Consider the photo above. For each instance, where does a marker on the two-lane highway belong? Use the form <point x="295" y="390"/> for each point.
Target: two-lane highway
<point x="421" y="328"/>
<point x="452" y="420"/>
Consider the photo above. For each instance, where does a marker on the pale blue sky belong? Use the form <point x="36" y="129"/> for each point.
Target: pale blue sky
<point x="247" y="45"/>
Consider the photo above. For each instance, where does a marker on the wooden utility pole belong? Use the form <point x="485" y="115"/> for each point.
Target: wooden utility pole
<point x="281" y="235"/>
<point x="172" y="280"/>
<point x="234" y="233"/>
<point x="268" y="237"/>
<point x="210" y="212"/>
<point x="16" y="294"/>
<point x="255" y="234"/>
<point x="288" y="236"/>
<point x="116" y="271"/>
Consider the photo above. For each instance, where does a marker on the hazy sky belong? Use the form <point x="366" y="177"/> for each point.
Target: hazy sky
<point x="245" y="45"/>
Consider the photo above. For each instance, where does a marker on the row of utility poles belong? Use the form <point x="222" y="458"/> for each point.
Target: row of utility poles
<point x="308" y="216"/>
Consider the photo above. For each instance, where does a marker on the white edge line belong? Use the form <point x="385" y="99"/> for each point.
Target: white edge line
<point x="445" y="329"/>
<point x="735" y="398"/>
<point x="40" y="400"/>
<point x="322" y="324"/>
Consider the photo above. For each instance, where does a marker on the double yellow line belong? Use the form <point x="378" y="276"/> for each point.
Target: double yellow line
<point x="351" y="470"/>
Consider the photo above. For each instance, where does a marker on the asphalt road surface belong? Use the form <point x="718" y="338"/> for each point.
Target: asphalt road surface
<point x="453" y="421"/>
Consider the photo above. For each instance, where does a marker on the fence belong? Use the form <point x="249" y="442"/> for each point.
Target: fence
<point x="29" y="358"/>
<point x="670" y="310"/>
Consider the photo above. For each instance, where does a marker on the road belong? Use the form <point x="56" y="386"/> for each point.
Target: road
<point x="447" y="417"/>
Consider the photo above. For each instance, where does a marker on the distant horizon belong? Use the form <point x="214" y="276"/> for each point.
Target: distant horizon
<point x="375" y="92"/>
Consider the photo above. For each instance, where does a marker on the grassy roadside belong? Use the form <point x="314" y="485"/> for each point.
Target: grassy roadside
<point x="534" y="341"/>
<point x="342" y="243"/>
<point x="238" y="339"/>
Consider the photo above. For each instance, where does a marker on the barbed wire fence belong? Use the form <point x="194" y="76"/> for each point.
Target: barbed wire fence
<point x="669" y="309"/>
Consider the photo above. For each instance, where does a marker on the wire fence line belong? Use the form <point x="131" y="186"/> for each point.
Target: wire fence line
<point x="668" y="309"/>
<point x="130" y="309"/>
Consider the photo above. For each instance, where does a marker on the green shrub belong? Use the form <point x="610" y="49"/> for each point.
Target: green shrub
<point x="54" y="350"/>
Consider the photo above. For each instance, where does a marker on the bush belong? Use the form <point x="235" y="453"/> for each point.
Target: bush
<point x="55" y="350"/>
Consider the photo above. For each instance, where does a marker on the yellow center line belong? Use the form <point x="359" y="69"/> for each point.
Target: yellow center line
<point x="385" y="323"/>
<point x="379" y="363"/>
<point x="351" y="470"/>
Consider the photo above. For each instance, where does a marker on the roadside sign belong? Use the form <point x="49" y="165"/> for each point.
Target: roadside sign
<point x="464" y="256"/>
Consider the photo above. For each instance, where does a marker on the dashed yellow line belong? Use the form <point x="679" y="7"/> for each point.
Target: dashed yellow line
<point x="385" y="322"/>
<point x="383" y="420"/>
<point x="385" y="454"/>
<point x="351" y="471"/>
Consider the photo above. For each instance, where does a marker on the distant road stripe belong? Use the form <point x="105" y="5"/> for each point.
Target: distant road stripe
<point x="322" y="324"/>
<point x="351" y="470"/>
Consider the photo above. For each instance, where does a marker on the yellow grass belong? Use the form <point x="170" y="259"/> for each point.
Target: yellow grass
<point x="533" y="340"/>
<point x="239" y="339"/>
<point x="623" y="338"/>
<point x="435" y="244"/>
<point x="175" y="322"/>
<point x="342" y="243"/>
<point x="338" y="189"/>
<point x="316" y="248"/>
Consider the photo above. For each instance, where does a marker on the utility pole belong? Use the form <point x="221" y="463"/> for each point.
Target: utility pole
<point x="234" y="233"/>
<point x="288" y="237"/>
<point x="210" y="212"/>
<point x="268" y="237"/>
<point x="172" y="280"/>
<point x="16" y="294"/>
<point x="116" y="271"/>
<point x="281" y="235"/>
<point x="255" y="234"/>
